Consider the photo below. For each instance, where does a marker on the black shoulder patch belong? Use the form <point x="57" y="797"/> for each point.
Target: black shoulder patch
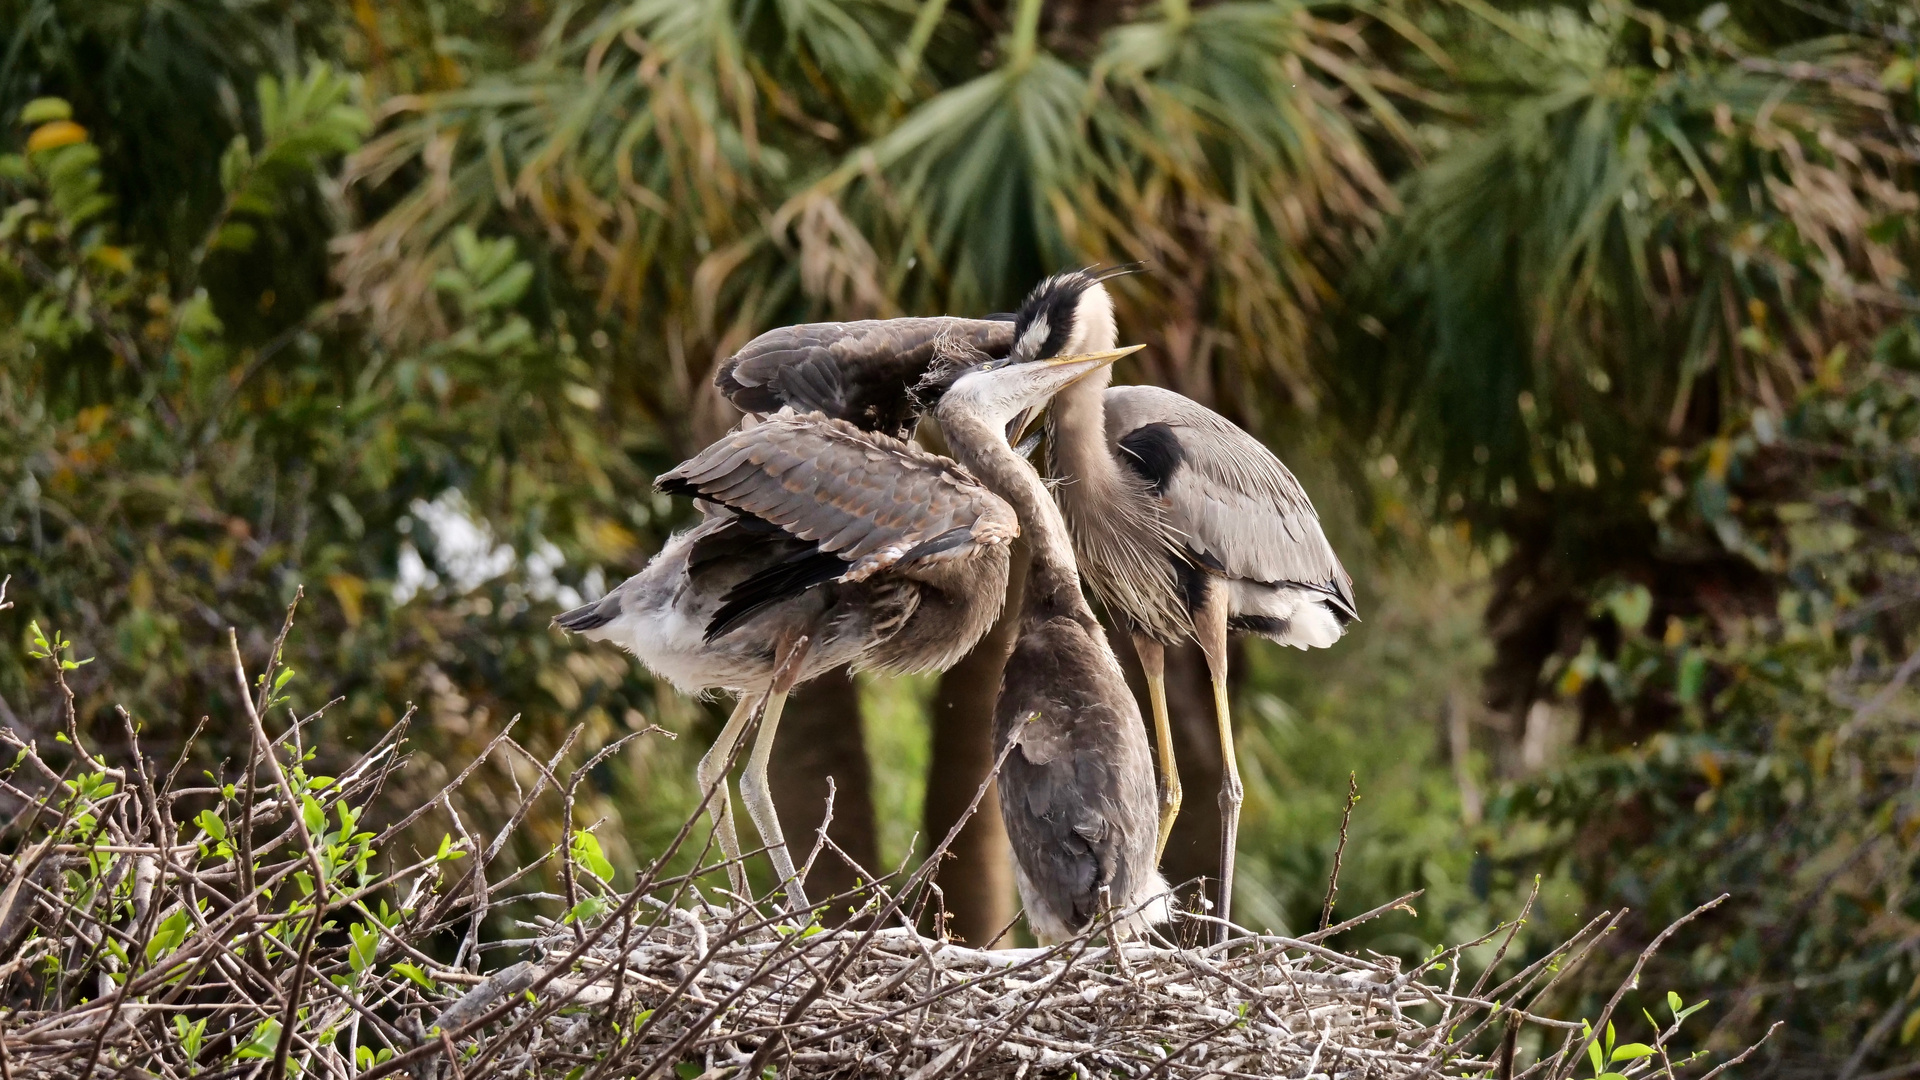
<point x="1155" y="453"/>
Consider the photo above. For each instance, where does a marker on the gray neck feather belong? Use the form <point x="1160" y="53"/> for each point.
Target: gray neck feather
<point x="1053" y="577"/>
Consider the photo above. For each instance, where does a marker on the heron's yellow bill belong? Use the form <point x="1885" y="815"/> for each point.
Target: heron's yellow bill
<point x="1103" y="358"/>
<point x="1024" y="424"/>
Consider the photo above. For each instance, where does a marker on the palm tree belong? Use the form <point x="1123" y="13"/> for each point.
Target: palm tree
<point x="700" y="171"/>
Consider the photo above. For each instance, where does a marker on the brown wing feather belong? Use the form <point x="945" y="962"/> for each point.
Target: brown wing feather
<point x="866" y="498"/>
<point x="862" y="372"/>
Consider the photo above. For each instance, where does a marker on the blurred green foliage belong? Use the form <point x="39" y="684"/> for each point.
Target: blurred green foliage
<point x="1598" y="319"/>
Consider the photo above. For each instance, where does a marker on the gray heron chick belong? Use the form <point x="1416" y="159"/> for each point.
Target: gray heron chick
<point x="820" y="545"/>
<point x="1185" y="526"/>
<point x="863" y="372"/>
<point x="1077" y="792"/>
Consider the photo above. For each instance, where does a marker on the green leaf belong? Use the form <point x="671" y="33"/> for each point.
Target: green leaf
<point x="235" y="236"/>
<point x="415" y="973"/>
<point x="366" y="945"/>
<point x="234" y="164"/>
<point x="588" y="853"/>
<point x="1629" y="1052"/>
<point x="313" y="815"/>
<point x="211" y="824"/>
<point x="266" y="1035"/>
<point x="191" y="1036"/>
<point x="43" y="110"/>
<point x="168" y="935"/>
<point x="586" y="909"/>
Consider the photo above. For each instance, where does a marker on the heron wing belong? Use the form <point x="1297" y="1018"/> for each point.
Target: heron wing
<point x="1242" y="511"/>
<point x="863" y="503"/>
<point x="862" y="372"/>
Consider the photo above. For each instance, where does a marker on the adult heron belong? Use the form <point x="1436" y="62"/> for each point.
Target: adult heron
<point x="820" y="545"/>
<point x="1185" y="526"/>
<point x="1077" y="793"/>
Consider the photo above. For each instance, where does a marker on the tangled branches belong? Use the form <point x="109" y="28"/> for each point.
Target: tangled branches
<point x="250" y="928"/>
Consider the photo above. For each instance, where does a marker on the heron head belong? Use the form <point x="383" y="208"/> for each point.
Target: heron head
<point x="1004" y="393"/>
<point x="1068" y="314"/>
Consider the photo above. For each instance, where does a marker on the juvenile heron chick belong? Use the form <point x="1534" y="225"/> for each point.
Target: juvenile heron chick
<point x="1076" y="791"/>
<point x="821" y="545"/>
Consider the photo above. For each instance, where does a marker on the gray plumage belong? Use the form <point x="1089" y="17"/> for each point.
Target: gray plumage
<point x="821" y="545"/>
<point x="1237" y="511"/>
<point x="1076" y="792"/>
<point x="1155" y="485"/>
<point x="1185" y="526"/>
<point x="889" y="556"/>
<point x="862" y="372"/>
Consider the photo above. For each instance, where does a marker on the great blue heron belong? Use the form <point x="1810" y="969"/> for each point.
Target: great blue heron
<point x="821" y="545"/>
<point x="1185" y="526"/>
<point x="1077" y="794"/>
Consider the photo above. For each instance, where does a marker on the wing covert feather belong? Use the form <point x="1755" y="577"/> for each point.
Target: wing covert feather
<point x="866" y="498"/>
<point x="862" y="372"/>
<point x="1236" y="502"/>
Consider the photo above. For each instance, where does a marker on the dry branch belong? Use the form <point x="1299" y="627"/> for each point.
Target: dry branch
<point x="257" y="931"/>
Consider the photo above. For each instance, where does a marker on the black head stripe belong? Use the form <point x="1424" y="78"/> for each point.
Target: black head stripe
<point x="1053" y="303"/>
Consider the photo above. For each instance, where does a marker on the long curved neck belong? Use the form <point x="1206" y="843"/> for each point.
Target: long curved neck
<point x="1053" y="578"/>
<point x="1077" y="440"/>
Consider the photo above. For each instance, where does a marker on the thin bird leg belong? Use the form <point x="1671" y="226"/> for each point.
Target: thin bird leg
<point x="753" y="784"/>
<point x="712" y="776"/>
<point x="1153" y="657"/>
<point x="1210" y="629"/>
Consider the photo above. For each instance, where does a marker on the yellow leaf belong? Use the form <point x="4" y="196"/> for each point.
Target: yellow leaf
<point x="1719" y="454"/>
<point x="348" y="590"/>
<point x="113" y="258"/>
<point x="1709" y="767"/>
<point x="58" y="133"/>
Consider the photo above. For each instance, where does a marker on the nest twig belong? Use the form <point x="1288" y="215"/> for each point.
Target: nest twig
<point x="254" y="930"/>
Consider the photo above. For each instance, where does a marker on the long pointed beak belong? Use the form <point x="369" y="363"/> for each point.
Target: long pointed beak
<point x="1094" y="361"/>
<point x="1077" y="367"/>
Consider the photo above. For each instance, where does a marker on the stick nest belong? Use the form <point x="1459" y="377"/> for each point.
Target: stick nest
<point x="254" y="929"/>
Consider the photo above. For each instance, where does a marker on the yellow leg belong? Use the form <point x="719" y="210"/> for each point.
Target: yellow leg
<point x="1153" y="662"/>
<point x="1232" y="794"/>
<point x="754" y="790"/>
<point x="1210" y="629"/>
<point x="712" y="776"/>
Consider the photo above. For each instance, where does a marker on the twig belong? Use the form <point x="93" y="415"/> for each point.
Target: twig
<point x="1333" y="879"/>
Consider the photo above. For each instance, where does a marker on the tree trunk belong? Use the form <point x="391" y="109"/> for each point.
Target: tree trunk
<point x="977" y="878"/>
<point x="820" y="737"/>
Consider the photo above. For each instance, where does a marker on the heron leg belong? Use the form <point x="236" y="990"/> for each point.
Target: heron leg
<point x="1210" y="629"/>
<point x="1153" y="658"/>
<point x="754" y="791"/>
<point x="712" y="777"/>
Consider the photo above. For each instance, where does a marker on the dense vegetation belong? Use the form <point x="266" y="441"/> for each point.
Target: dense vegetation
<point x="1592" y="328"/>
